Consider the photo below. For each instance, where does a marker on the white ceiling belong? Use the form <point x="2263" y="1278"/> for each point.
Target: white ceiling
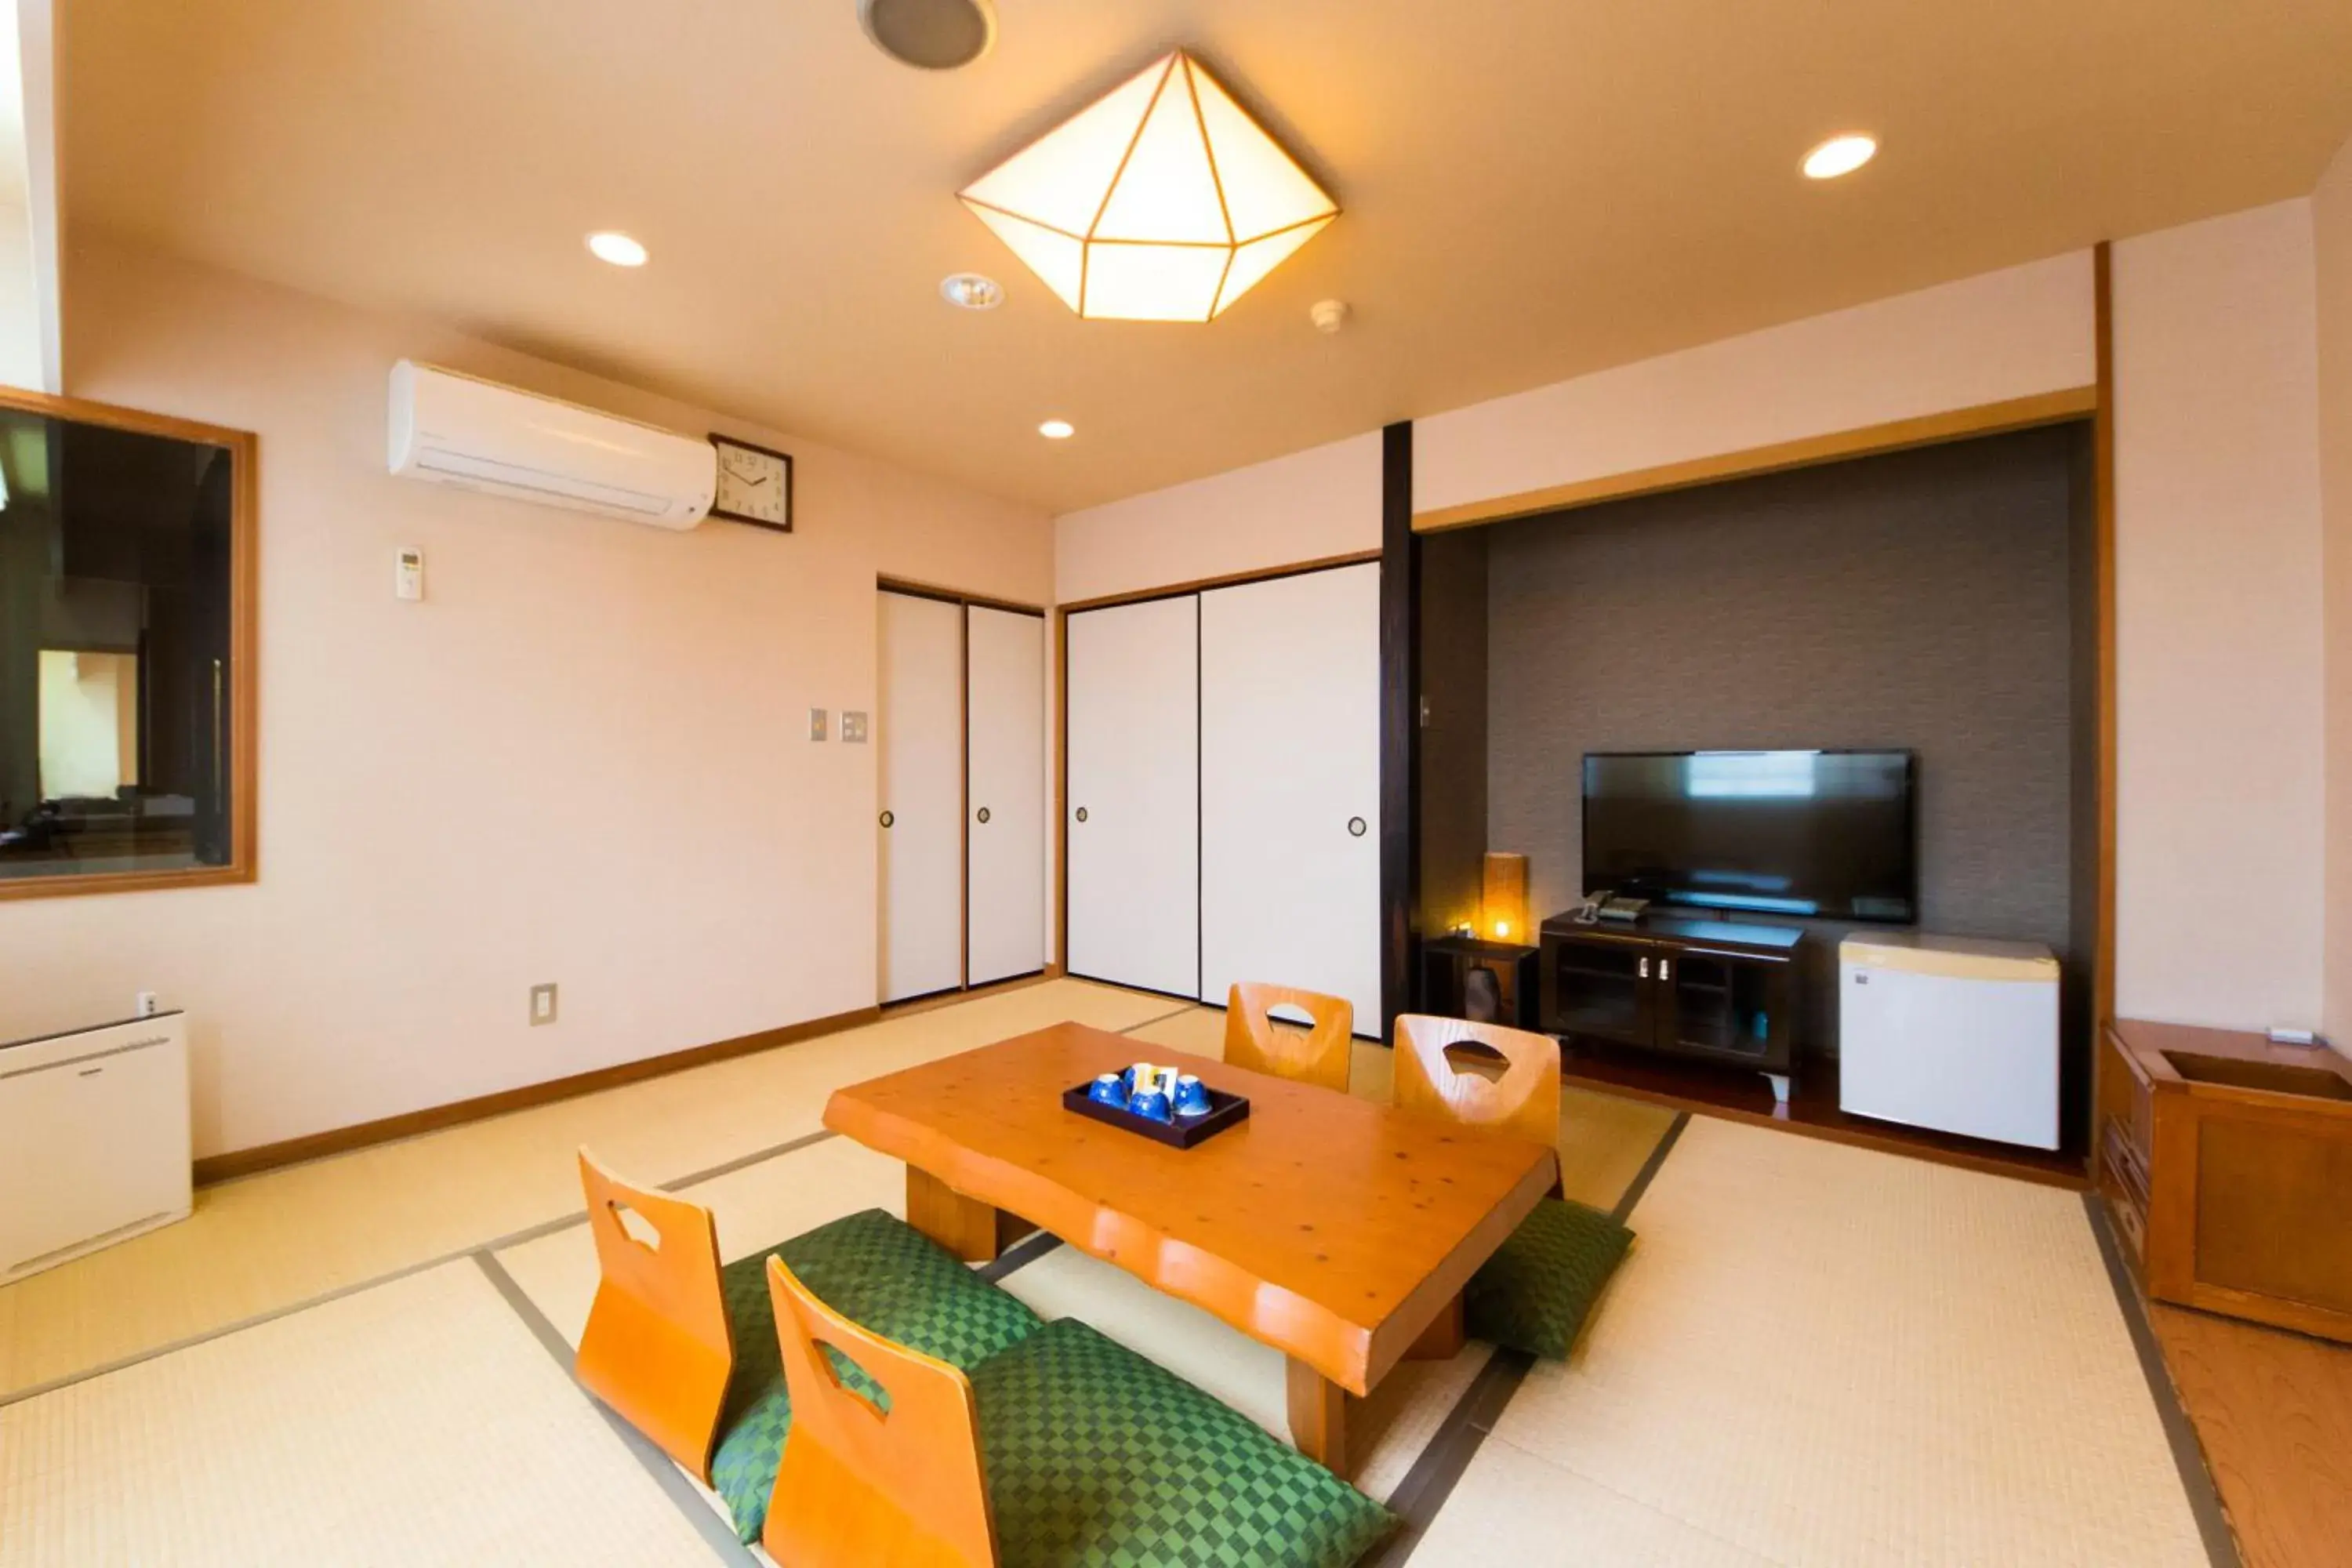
<point x="1532" y="188"/>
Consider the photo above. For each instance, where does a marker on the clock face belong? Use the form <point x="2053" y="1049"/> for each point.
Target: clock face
<point x="754" y="486"/>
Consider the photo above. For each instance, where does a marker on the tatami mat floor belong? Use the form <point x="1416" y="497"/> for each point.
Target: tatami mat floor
<point x="1824" y="1355"/>
<point x="1814" y="1356"/>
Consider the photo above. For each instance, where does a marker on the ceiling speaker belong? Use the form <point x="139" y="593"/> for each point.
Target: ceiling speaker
<point x="937" y="35"/>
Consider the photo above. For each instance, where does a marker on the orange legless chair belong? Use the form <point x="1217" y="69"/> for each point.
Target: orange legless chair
<point x="902" y="1490"/>
<point x="1524" y="1100"/>
<point x="657" y="1347"/>
<point x="1321" y="1056"/>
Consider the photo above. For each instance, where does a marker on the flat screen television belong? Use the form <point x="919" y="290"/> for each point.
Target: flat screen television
<point x="1824" y="834"/>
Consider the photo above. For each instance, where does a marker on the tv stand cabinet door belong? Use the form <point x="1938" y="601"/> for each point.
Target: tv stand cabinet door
<point x="1724" y="1007"/>
<point x="1600" y="987"/>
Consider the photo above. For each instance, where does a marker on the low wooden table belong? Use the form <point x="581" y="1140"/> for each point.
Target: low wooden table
<point x="1336" y="1231"/>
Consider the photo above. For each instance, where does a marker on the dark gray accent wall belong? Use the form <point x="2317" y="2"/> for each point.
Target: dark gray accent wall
<point x="1919" y="600"/>
<point x="1453" y="719"/>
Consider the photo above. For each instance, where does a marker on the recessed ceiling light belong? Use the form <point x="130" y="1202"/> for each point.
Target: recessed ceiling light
<point x="971" y="291"/>
<point x="1839" y="155"/>
<point x="619" y="249"/>
<point x="1058" y="430"/>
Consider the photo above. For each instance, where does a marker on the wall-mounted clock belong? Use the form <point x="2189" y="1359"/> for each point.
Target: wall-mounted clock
<point x="755" y="485"/>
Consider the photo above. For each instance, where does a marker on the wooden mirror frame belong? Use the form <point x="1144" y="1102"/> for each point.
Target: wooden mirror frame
<point x="243" y="593"/>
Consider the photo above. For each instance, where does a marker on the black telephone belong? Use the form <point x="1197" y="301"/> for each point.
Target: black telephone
<point x="1605" y="905"/>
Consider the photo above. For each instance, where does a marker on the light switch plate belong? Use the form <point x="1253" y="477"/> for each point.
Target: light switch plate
<point x="816" y="723"/>
<point x="542" y="1005"/>
<point x="852" y="727"/>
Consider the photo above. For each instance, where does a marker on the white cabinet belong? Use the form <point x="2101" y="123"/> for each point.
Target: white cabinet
<point x="919" y="758"/>
<point x="1290" y="786"/>
<point x="1134" y="807"/>
<point x="93" y="1139"/>
<point x="1004" y="825"/>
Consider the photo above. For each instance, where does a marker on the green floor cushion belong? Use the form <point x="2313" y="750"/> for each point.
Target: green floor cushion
<point x="880" y="1273"/>
<point x="1537" y="1291"/>
<point x="1097" y="1457"/>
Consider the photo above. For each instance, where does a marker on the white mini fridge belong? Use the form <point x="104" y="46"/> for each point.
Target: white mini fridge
<point x="1950" y="1033"/>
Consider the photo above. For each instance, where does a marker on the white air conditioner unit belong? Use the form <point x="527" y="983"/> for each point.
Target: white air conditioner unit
<point x="455" y="431"/>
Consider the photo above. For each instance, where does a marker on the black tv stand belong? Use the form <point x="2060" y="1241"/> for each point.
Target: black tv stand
<point x="1711" y="990"/>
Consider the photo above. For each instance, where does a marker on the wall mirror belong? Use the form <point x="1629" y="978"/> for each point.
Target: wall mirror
<point x="126" y="650"/>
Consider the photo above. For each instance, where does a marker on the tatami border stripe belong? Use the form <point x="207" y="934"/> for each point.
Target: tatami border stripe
<point x="1434" y="1474"/>
<point x="496" y="1244"/>
<point x="707" y="1523"/>
<point x="2180" y="1433"/>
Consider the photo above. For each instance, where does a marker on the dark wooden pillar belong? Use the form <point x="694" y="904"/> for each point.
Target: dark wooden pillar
<point x="1400" y="722"/>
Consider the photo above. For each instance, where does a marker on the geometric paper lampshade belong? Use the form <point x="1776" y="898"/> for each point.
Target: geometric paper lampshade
<point x="1161" y="200"/>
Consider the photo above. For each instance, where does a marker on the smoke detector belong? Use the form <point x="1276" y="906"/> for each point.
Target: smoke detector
<point x="934" y="35"/>
<point x="1329" y="315"/>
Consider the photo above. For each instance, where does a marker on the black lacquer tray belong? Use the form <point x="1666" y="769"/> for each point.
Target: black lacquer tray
<point x="1224" y="1111"/>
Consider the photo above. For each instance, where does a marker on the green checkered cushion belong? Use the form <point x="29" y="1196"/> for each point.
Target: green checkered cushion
<point x="1534" y="1293"/>
<point x="880" y="1273"/>
<point x="1096" y="1457"/>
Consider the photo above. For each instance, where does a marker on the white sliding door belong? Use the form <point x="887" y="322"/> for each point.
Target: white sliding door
<point x="1290" y="772"/>
<point x="1133" y="741"/>
<point x="1004" y="886"/>
<point x="919" y="761"/>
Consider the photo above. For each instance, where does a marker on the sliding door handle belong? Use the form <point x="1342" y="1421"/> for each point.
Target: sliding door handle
<point x="1082" y="814"/>
<point x="1356" y="827"/>
<point x="888" y="817"/>
<point x="983" y="813"/>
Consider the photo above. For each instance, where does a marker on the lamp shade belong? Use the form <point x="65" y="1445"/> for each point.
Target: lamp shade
<point x="1161" y="200"/>
<point x="1504" y="905"/>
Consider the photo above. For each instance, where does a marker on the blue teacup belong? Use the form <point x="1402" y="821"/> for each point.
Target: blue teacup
<point x="1192" y="1097"/>
<point x="1109" y="1091"/>
<point x="1151" y="1105"/>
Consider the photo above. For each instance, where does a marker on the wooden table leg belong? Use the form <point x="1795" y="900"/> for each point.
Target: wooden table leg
<point x="1318" y="1417"/>
<point x="973" y="1231"/>
<point x="1443" y="1338"/>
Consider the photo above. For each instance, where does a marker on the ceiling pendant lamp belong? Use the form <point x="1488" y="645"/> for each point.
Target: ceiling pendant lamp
<point x="1162" y="201"/>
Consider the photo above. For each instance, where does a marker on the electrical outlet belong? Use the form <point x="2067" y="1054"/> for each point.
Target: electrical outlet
<point x="147" y="1008"/>
<point x="853" y="727"/>
<point x="816" y="723"/>
<point x="542" y="1005"/>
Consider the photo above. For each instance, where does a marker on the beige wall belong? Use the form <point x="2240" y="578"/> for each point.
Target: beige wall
<point x="1308" y="506"/>
<point x="2220" y="841"/>
<point x="2332" y="219"/>
<point x="580" y="759"/>
<point x="2007" y="334"/>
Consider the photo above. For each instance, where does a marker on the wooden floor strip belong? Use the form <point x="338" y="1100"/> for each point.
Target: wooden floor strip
<point x="2204" y="1502"/>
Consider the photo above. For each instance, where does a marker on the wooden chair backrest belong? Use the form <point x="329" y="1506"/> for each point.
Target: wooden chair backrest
<point x="1524" y="1099"/>
<point x="657" y="1348"/>
<point x="904" y="1489"/>
<point x="1322" y="1054"/>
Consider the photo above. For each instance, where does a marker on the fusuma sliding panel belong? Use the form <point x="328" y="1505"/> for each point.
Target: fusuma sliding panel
<point x="1290" y="786"/>
<point x="919" y="761"/>
<point x="1004" y="809"/>
<point x="1133" y="739"/>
